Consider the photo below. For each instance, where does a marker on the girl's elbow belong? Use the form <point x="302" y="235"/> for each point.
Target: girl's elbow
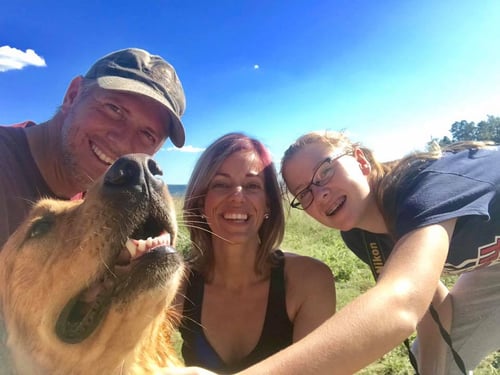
<point x="410" y="306"/>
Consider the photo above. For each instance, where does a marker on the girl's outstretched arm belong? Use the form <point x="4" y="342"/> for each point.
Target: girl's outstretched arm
<point x="378" y="320"/>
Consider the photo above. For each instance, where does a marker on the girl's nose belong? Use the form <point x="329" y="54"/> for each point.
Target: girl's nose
<point x="320" y="192"/>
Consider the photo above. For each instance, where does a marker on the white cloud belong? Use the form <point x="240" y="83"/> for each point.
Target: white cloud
<point x="189" y="148"/>
<point x="13" y="58"/>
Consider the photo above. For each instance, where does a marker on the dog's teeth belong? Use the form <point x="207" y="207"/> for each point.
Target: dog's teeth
<point x="165" y="238"/>
<point x="132" y="249"/>
<point x="137" y="248"/>
<point x="141" y="246"/>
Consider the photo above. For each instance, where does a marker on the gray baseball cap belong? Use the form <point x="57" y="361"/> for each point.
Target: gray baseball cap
<point x="136" y="70"/>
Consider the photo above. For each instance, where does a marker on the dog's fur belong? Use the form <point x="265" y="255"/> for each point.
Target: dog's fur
<point x="75" y="250"/>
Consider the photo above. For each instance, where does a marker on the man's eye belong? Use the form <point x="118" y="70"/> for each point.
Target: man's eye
<point x="113" y="110"/>
<point x="150" y="138"/>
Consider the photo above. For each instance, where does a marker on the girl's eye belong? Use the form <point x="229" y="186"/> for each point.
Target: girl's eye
<point x="302" y="194"/>
<point x="323" y="173"/>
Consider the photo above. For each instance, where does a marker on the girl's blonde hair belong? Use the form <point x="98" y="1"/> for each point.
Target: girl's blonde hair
<point x="384" y="177"/>
<point x="336" y="140"/>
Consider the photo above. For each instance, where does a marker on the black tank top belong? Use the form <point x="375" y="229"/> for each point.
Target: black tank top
<point x="277" y="332"/>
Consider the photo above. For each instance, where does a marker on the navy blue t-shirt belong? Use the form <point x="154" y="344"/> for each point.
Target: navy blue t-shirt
<point x="463" y="185"/>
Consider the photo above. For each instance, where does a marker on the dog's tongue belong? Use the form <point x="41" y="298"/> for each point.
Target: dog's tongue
<point x="95" y="289"/>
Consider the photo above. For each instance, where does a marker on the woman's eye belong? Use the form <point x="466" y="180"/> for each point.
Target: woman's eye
<point x="219" y="185"/>
<point x="253" y="186"/>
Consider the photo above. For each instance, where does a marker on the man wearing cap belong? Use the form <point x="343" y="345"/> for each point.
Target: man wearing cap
<point x="128" y="102"/>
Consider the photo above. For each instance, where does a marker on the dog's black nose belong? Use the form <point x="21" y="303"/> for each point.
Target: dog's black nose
<point x="134" y="171"/>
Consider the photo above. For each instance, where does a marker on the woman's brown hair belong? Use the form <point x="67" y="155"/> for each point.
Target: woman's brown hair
<point x="272" y="230"/>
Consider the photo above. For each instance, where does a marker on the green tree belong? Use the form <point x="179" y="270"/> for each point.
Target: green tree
<point x="463" y="131"/>
<point x="489" y="130"/>
<point x="434" y="142"/>
<point x="486" y="130"/>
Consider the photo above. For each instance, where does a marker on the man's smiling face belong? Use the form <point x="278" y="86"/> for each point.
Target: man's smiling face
<point x="101" y="125"/>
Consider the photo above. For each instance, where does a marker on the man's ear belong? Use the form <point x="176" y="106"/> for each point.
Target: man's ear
<point x="71" y="93"/>
<point x="363" y="162"/>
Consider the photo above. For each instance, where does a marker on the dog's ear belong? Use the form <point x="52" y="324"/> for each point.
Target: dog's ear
<point x="5" y="368"/>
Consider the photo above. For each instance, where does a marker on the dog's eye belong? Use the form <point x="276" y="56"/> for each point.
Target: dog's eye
<point x="40" y="227"/>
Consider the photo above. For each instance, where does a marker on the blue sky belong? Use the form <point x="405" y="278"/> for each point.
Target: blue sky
<point x="391" y="73"/>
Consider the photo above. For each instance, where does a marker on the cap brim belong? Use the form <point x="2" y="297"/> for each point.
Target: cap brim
<point x="176" y="128"/>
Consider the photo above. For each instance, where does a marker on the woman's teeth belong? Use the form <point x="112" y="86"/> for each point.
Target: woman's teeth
<point x="235" y="216"/>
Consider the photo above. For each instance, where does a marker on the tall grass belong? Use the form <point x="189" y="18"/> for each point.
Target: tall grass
<point x="307" y="237"/>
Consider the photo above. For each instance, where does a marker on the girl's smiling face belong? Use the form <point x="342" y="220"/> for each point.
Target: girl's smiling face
<point x="341" y="200"/>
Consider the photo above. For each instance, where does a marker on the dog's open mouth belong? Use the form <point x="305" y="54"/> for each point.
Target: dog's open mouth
<point x="83" y="313"/>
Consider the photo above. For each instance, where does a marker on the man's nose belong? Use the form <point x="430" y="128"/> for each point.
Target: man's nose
<point x="124" y="139"/>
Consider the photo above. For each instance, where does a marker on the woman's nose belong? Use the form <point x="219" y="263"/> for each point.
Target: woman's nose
<point x="237" y="192"/>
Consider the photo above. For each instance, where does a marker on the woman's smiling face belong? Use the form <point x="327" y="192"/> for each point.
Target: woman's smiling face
<point x="236" y="200"/>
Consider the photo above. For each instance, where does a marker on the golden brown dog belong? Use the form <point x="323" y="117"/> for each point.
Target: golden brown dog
<point x="86" y="286"/>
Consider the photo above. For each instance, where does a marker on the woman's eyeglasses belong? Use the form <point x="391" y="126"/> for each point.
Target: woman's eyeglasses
<point x="322" y="175"/>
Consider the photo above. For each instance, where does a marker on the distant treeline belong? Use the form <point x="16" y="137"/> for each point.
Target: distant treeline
<point x="486" y="130"/>
<point x="177" y="190"/>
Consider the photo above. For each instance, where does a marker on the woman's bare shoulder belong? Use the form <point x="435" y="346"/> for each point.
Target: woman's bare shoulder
<point x="297" y="264"/>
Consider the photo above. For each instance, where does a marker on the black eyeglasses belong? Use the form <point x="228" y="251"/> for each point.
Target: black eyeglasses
<point x="322" y="175"/>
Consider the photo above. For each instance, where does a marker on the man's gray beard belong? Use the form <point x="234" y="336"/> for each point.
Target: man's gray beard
<point x="70" y="164"/>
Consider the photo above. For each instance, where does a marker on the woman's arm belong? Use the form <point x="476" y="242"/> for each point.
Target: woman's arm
<point x="378" y="320"/>
<point x="310" y="293"/>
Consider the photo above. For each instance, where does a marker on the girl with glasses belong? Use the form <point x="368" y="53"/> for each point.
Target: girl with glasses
<point x="411" y="220"/>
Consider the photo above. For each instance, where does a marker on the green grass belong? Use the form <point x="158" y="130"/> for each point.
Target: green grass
<point x="308" y="237"/>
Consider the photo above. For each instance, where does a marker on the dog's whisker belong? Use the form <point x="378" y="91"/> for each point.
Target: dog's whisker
<point x="195" y="197"/>
<point x="205" y="230"/>
<point x="111" y="304"/>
